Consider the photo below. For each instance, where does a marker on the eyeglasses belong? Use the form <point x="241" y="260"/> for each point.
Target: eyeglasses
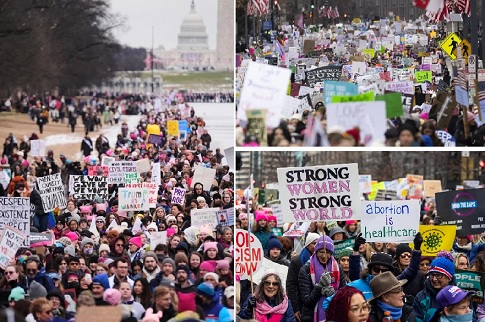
<point x="399" y="290"/>
<point x="9" y="272"/>
<point x="363" y="309"/>
<point x="405" y="255"/>
<point x="438" y="276"/>
<point x="99" y="221"/>
<point x="424" y="264"/>
<point x="377" y="269"/>
<point x="120" y="245"/>
<point x="268" y="283"/>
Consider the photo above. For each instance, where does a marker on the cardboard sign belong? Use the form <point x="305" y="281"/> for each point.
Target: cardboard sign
<point x="431" y="187"/>
<point x="470" y="281"/>
<point x="51" y="191"/>
<point x="247" y="262"/>
<point x="319" y="193"/>
<point x="332" y="88"/>
<point x="365" y="183"/>
<point x="405" y="87"/>
<point x="143" y="165"/>
<point x="390" y="221"/>
<point x="225" y="217"/>
<point x="308" y="46"/>
<point x="133" y="199"/>
<point x="15" y="213"/>
<point x="97" y="170"/>
<point x="12" y="239"/>
<point x="205" y="216"/>
<point x="106" y="161"/>
<point x="99" y="313"/>
<point x="178" y="196"/>
<point x="205" y="176"/>
<point x="117" y="170"/>
<point x="436" y="238"/>
<point x="270" y="266"/>
<point x="158" y="237"/>
<point x="89" y="187"/>
<point x="415" y="182"/>
<point x="278" y="213"/>
<point x="317" y="75"/>
<point x="37" y="148"/>
<point x="463" y="208"/>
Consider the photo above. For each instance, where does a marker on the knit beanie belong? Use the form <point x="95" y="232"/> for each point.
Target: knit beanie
<point x="208" y="266"/>
<point x="180" y="258"/>
<point x="87" y="241"/>
<point x="101" y="279"/>
<point x="152" y="225"/>
<point x="214" y="276"/>
<point x="184" y="268"/>
<point x="205" y="230"/>
<point x="274" y="243"/>
<point x="150" y="254"/>
<point x="324" y="242"/>
<point x="169" y="261"/>
<point x="70" y="251"/>
<point x="72" y="236"/>
<point x="350" y="222"/>
<point x="443" y="265"/>
<point x="210" y="245"/>
<point x="273" y="218"/>
<point x="206" y="289"/>
<point x="186" y="302"/>
<point x="222" y="264"/>
<point x="170" y="218"/>
<point x="136" y="241"/>
<point x="112" y="296"/>
<point x="64" y="241"/>
<point x="37" y="290"/>
<point x="402" y="248"/>
<point x="346" y="252"/>
<point x="151" y="317"/>
<point x="104" y="247"/>
<point x="310" y="238"/>
<point x="16" y="294"/>
<point x="260" y="215"/>
<point x="243" y="216"/>
<point x="170" y="232"/>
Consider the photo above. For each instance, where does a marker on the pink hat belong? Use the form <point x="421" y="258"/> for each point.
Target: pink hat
<point x="210" y="245"/>
<point x="243" y="216"/>
<point x="209" y="266"/>
<point x="100" y="207"/>
<point x="89" y="217"/>
<point x="87" y="159"/>
<point x="25" y="163"/>
<point x="170" y="232"/>
<point x="72" y="236"/>
<point x="4" y="161"/>
<point x="470" y="115"/>
<point x="109" y="152"/>
<point x="260" y="215"/>
<point x="206" y="230"/>
<point x="112" y="296"/>
<point x="85" y="209"/>
<point x="350" y="222"/>
<point x="137" y="241"/>
<point x="270" y="218"/>
<point x="222" y="264"/>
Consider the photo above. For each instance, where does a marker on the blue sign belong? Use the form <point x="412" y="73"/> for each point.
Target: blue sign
<point x="333" y="88"/>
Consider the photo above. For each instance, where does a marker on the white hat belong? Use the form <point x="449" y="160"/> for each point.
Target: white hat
<point x="310" y="238"/>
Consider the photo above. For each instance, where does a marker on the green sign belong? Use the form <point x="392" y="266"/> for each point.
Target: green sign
<point x="365" y="97"/>
<point x="341" y="245"/>
<point x="393" y="104"/>
<point x="471" y="281"/>
<point x="423" y="76"/>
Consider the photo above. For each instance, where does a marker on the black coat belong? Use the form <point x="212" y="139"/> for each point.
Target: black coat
<point x="310" y="293"/>
<point x="376" y="314"/>
<point x="292" y="286"/>
<point x="36" y="200"/>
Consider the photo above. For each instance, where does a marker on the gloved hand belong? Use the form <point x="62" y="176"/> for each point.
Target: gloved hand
<point x="418" y="241"/>
<point x="359" y="241"/>
<point x="251" y="305"/>
<point x="325" y="280"/>
<point x="328" y="291"/>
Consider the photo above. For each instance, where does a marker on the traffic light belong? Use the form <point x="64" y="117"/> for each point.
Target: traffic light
<point x="482" y="163"/>
<point x="312" y="5"/>
<point x="311" y="14"/>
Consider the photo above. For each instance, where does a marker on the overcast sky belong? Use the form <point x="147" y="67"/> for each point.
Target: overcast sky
<point x="166" y="16"/>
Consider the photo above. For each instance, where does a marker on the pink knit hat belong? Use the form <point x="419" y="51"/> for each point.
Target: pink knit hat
<point x="270" y="218"/>
<point x="72" y="236"/>
<point x="112" y="296"/>
<point x="137" y="241"/>
<point x="222" y="264"/>
<point x="210" y="245"/>
<point x="151" y="317"/>
<point x="170" y="232"/>
<point x="350" y="222"/>
<point x="85" y="209"/>
<point x="243" y="216"/>
<point x="100" y="207"/>
<point x="260" y="215"/>
<point x="209" y="266"/>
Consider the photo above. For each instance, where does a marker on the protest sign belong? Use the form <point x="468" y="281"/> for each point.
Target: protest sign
<point x="339" y="246"/>
<point x="117" y="170"/>
<point x="332" y="88"/>
<point x="463" y="208"/>
<point x="278" y="213"/>
<point x="405" y="87"/>
<point x="40" y="239"/>
<point x="415" y="182"/>
<point x="248" y="261"/>
<point x="97" y="170"/>
<point x="436" y="238"/>
<point x="470" y="281"/>
<point x="317" y="75"/>
<point x="157" y="140"/>
<point x="365" y="183"/>
<point x="364" y="97"/>
<point x="431" y="187"/>
<point x="158" y="237"/>
<point x="297" y="229"/>
<point x="319" y="193"/>
<point x="423" y="76"/>
<point x="369" y="117"/>
<point x="178" y="196"/>
<point x="132" y="177"/>
<point x="133" y="199"/>
<point x="393" y="104"/>
<point x="203" y="175"/>
<point x="445" y="137"/>
<point x="471" y="184"/>
<point x="99" y="313"/>
<point x="205" y="216"/>
<point x="143" y="165"/>
<point x="89" y="187"/>
<point x="264" y="87"/>
<point x="152" y="193"/>
<point x="37" y="148"/>
<point x="51" y="191"/>
<point x="156" y="177"/>
<point x="15" y="212"/>
<point x="390" y="221"/>
<point x="229" y="155"/>
<point x="270" y="266"/>
<point x="10" y="242"/>
<point x="225" y="217"/>
<point x="461" y="95"/>
<point x="256" y="125"/>
<point x="106" y="161"/>
<point x="172" y="128"/>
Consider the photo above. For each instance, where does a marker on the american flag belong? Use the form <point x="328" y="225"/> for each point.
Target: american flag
<point x="437" y="16"/>
<point x="481" y="91"/>
<point x="250" y="8"/>
<point x="462" y="79"/>
<point x="464" y="6"/>
<point x="262" y="6"/>
<point x="336" y="13"/>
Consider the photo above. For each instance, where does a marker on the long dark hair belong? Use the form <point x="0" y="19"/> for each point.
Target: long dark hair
<point x="259" y="292"/>
<point x="146" y="295"/>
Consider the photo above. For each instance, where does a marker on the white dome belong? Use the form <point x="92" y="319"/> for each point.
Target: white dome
<point x="193" y="34"/>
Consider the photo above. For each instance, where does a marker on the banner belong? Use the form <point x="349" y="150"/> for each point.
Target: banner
<point x="394" y="221"/>
<point x="436" y="238"/>
<point x="225" y="217"/>
<point x="431" y="187"/>
<point x="37" y="148"/>
<point x="12" y="239"/>
<point x="319" y="193"/>
<point x="97" y="170"/>
<point x="158" y="237"/>
<point x="341" y="245"/>
<point x="51" y="191"/>
<point x="178" y="196"/>
<point x="89" y="187"/>
<point x="117" y="170"/>
<point x="157" y="140"/>
<point x="205" y="176"/>
<point x="172" y="128"/>
<point x="41" y="239"/>
<point x="133" y="199"/>
<point x="15" y="212"/>
<point x="318" y="75"/>
<point x="471" y="281"/>
<point x="463" y="208"/>
<point x="247" y="262"/>
<point x="205" y="216"/>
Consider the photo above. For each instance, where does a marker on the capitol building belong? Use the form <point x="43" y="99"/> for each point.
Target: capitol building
<point x="193" y="52"/>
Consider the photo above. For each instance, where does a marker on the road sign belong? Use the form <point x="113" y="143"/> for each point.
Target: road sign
<point x="472" y="67"/>
<point x="450" y="45"/>
<point x="466" y="48"/>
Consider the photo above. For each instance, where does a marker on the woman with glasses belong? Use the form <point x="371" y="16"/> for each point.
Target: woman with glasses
<point x="389" y="297"/>
<point x="402" y="260"/>
<point x="348" y="305"/>
<point x="269" y="302"/>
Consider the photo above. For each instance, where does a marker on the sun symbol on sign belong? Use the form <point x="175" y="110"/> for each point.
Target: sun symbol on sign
<point x="433" y="241"/>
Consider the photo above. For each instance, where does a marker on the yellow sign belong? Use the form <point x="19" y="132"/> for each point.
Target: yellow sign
<point x="450" y="45"/>
<point x="173" y="127"/>
<point x="432" y="34"/>
<point x="369" y="51"/>
<point x="436" y="238"/>
<point x="466" y="49"/>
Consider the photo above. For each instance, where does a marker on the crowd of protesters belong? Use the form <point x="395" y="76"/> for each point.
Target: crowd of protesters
<point x="110" y="262"/>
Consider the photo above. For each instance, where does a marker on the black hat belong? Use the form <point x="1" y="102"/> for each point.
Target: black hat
<point x="382" y="259"/>
<point x="402" y="248"/>
<point x="409" y="125"/>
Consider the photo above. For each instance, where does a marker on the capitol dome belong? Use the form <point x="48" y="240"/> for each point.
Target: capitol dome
<point x="193" y="34"/>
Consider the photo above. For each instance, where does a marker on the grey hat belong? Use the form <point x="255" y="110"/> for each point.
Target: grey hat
<point x="150" y="254"/>
<point x="337" y="230"/>
<point x="70" y="251"/>
<point x="86" y="241"/>
<point x="166" y="282"/>
<point x="37" y="290"/>
<point x="170" y="261"/>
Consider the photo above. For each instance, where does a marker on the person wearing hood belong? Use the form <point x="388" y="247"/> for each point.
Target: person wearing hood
<point x="319" y="278"/>
<point x="454" y="305"/>
<point x="292" y="279"/>
<point x="338" y="234"/>
<point x="58" y="303"/>
<point x="99" y="285"/>
<point x="464" y="244"/>
<point x="274" y="252"/>
<point x="117" y="247"/>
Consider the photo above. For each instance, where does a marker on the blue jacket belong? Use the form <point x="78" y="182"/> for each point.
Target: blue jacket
<point x="289" y="316"/>
<point x="472" y="253"/>
<point x="217" y="313"/>
<point x="425" y="304"/>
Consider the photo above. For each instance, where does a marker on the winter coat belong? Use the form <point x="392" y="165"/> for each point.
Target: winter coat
<point x="289" y="315"/>
<point x="292" y="285"/>
<point x="416" y="280"/>
<point x="36" y="200"/>
<point x="425" y="304"/>
<point x="376" y="314"/>
<point x="263" y="237"/>
<point x="472" y="253"/>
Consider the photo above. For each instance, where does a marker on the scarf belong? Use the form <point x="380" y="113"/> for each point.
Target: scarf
<point x="396" y="312"/>
<point x="457" y="317"/>
<point x="88" y="142"/>
<point x="151" y="276"/>
<point x="276" y="312"/>
<point x="316" y="271"/>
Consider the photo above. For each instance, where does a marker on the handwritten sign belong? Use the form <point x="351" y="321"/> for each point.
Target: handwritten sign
<point x="97" y="170"/>
<point x="132" y="177"/>
<point x="390" y="221"/>
<point x="205" y="176"/>
<point x="89" y="187"/>
<point x="51" y="191"/>
<point x="156" y="238"/>
<point x="205" y="216"/>
<point x="15" y="212"/>
<point x="37" y="148"/>
<point x="10" y="242"/>
<point x="365" y="183"/>
<point x="117" y="170"/>
<point x="247" y="262"/>
<point x="178" y="196"/>
<point x="133" y="199"/>
<point x="319" y="193"/>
